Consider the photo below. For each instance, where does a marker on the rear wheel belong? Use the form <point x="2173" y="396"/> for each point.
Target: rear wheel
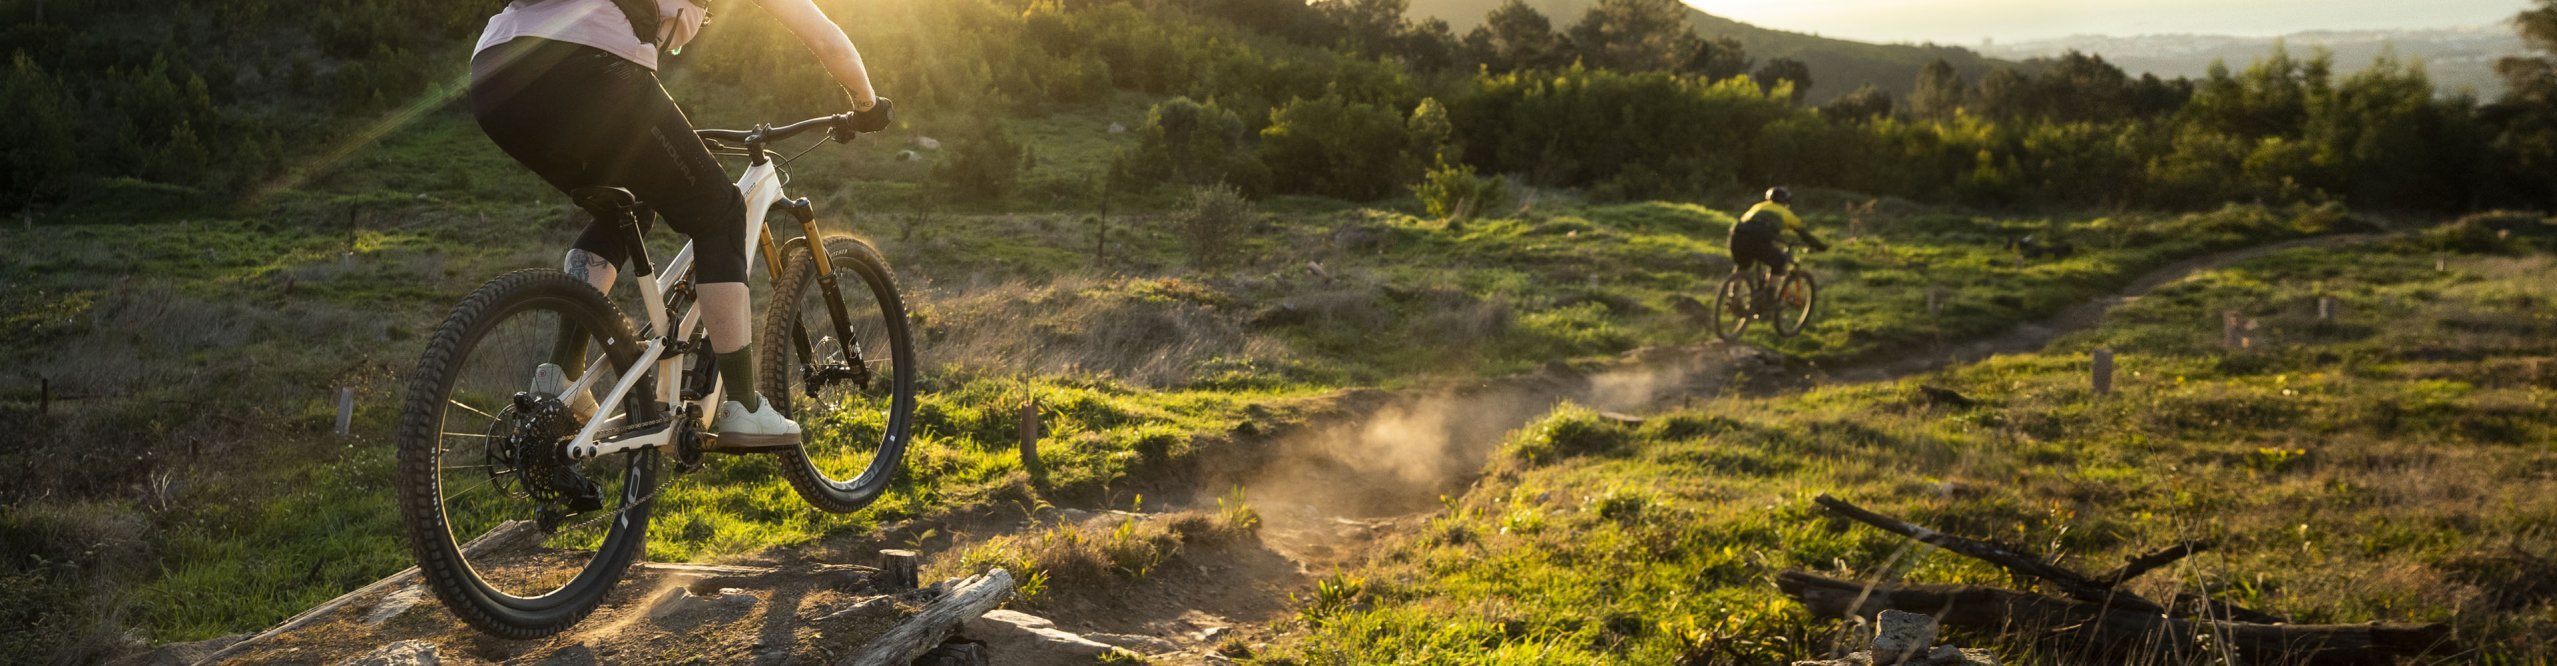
<point x="1732" y="310"/>
<point x="1796" y="297"/>
<point x="515" y="537"/>
<point x="849" y="384"/>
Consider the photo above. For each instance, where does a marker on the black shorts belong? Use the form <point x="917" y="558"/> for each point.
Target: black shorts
<point x="579" y="116"/>
<point x="1755" y="244"/>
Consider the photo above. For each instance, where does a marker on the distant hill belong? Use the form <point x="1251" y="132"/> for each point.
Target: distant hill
<point x="1838" y="66"/>
<point x="2457" y="58"/>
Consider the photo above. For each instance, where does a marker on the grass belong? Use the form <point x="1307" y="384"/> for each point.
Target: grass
<point x="2391" y="465"/>
<point x="193" y="353"/>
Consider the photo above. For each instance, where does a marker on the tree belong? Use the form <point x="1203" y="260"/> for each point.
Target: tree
<point x="1187" y="143"/>
<point x="1718" y="58"/>
<point x="1865" y="104"/>
<point x="1515" y="36"/>
<point x="1635" y="36"/>
<point x="1338" y="148"/>
<point x="1786" y="70"/>
<point x="2524" y="122"/>
<point x="38" y="132"/>
<point x="1940" y="91"/>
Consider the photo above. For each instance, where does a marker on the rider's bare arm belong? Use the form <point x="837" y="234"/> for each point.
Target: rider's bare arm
<point x="829" y="43"/>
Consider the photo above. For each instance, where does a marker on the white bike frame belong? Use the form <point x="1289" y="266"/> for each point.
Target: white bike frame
<point x="761" y="185"/>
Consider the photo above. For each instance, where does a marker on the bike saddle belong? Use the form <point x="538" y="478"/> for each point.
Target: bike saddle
<point x="604" y="202"/>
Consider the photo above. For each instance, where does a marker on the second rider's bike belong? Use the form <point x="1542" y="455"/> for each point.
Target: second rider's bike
<point x="1746" y="296"/>
<point x="541" y="424"/>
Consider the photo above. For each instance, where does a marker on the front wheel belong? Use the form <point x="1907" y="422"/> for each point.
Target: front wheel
<point x="1732" y="307"/>
<point x="839" y="359"/>
<point x="1795" y="299"/>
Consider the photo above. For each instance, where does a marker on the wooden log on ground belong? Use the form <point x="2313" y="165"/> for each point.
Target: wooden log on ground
<point x="506" y="535"/>
<point x="2114" y="629"/>
<point x="2077" y="586"/>
<point x="2150" y="562"/>
<point x="919" y="634"/>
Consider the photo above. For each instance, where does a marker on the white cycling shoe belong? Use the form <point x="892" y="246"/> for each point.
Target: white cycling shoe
<point x="741" y="428"/>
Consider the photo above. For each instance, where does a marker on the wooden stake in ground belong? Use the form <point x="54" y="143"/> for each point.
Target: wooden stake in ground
<point x="2326" y="308"/>
<point x="345" y="411"/>
<point x="1030" y="433"/>
<point x="2229" y="335"/>
<point x="2102" y="371"/>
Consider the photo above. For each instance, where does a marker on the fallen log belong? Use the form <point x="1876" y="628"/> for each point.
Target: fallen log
<point x="919" y="634"/>
<point x="2076" y="585"/>
<point x="2114" y="629"/>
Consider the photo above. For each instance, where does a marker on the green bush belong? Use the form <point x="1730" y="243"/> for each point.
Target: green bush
<point x="1334" y="147"/>
<point x="1188" y="144"/>
<point x="1211" y="224"/>
<point x="984" y="162"/>
<point x="1452" y="192"/>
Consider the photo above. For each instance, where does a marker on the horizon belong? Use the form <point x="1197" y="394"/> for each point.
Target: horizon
<point x="1959" y="22"/>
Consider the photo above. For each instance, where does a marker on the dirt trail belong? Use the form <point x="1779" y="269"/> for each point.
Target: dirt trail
<point x="1365" y="465"/>
<point x="2035" y="335"/>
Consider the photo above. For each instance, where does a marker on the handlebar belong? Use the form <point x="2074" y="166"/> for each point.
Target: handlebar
<point x="842" y="126"/>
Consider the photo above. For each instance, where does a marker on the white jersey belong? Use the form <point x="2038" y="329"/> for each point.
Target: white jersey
<point x="596" y="23"/>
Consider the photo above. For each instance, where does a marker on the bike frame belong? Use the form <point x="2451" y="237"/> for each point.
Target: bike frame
<point x="761" y="186"/>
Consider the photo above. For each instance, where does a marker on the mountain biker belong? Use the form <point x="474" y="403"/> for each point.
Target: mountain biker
<point x="569" y="88"/>
<point x="1753" y="239"/>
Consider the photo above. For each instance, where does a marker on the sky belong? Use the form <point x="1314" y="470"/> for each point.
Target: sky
<point x="1966" y="22"/>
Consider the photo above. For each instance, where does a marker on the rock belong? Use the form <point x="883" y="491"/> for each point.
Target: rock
<point x="1136" y="643"/>
<point x="908" y="156"/>
<point x="1116" y="128"/>
<point x="393" y="604"/>
<point x="1211" y="634"/>
<point x="679" y="601"/>
<point x="403" y="653"/>
<point x="1902" y="633"/>
<point x="927" y="143"/>
<point x="1022" y="638"/>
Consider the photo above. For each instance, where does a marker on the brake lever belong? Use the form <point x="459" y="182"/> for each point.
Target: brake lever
<point x="841" y="131"/>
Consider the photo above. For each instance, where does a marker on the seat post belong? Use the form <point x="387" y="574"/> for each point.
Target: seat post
<point x="618" y="207"/>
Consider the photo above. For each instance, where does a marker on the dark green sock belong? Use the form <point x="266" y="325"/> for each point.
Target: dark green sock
<point x="737" y="374"/>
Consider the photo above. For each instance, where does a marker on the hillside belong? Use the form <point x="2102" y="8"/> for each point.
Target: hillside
<point x="1838" y="66"/>
<point x="2457" y="58"/>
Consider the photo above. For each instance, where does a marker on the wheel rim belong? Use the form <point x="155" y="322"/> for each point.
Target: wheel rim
<point x="844" y="420"/>
<point x="496" y="460"/>
<point x="1794" y="301"/>
<point x="1731" y="309"/>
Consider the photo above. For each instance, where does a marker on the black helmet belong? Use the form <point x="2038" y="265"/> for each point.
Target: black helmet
<point x="1780" y="195"/>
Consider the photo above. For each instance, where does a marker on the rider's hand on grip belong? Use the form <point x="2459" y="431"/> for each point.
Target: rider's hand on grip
<point x="876" y="119"/>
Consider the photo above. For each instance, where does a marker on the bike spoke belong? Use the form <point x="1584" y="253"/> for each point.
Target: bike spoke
<point x="474" y="410"/>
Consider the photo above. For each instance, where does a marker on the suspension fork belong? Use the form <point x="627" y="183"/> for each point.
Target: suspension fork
<point x="806" y="213"/>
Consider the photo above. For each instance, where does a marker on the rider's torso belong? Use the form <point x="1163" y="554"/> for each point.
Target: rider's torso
<point x="595" y="23"/>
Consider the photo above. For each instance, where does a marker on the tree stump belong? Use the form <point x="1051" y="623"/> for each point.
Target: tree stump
<point x="900" y="570"/>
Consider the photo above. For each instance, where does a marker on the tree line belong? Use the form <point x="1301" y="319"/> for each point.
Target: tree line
<point x="1341" y="98"/>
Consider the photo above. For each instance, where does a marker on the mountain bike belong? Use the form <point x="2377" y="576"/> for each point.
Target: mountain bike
<point x="1746" y="297"/>
<point x="539" y="426"/>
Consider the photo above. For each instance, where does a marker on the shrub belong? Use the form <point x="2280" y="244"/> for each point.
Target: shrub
<point x="1190" y="144"/>
<point x="1452" y="192"/>
<point x="1334" y="147"/>
<point x="984" y="162"/>
<point x="1210" y="224"/>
